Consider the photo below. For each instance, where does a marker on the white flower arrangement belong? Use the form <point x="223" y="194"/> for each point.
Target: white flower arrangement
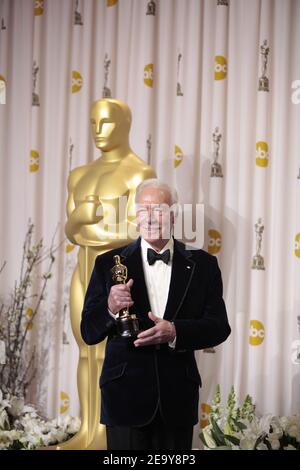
<point x="22" y="428"/>
<point x="239" y="428"/>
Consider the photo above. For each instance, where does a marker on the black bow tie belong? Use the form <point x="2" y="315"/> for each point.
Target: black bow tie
<point x="153" y="256"/>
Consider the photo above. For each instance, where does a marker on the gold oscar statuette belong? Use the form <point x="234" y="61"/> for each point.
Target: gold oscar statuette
<point x="127" y="323"/>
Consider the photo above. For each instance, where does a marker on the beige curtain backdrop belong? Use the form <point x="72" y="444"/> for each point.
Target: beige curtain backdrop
<point x="188" y="69"/>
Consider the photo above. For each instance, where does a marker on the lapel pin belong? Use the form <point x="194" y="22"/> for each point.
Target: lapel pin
<point x="188" y="267"/>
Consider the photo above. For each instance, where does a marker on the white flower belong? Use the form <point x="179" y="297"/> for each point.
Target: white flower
<point x="73" y="424"/>
<point x="22" y="427"/>
<point x="292" y="427"/>
<point x="256" y="428"/>
<point x="262" y="446"/>
<point x="4" y="420"/>
<point x="29" y="409"/>
<point x="293" y="431"/>
<point x="275" y="443"/>
<point x="276" y="427"/>
<point x="240" y="428"/>
<point x="208" y="438"/>
<point x="16" y="406"/>
<point x="9" y="435"/>
<point x="248" y="443"/>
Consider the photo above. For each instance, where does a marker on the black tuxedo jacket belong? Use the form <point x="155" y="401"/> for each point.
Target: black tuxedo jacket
<point x="136" y="381"/>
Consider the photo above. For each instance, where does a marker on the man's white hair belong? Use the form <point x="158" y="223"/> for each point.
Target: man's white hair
<point x="156" y="183"/>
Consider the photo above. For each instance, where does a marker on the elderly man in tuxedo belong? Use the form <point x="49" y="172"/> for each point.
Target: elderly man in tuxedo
<point x="150" y="384"/>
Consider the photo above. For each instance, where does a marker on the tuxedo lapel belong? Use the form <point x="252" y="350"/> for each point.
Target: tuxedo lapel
<point x="182" y="272"/>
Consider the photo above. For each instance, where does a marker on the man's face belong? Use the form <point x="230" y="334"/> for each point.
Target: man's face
<point x="155" y="220"/>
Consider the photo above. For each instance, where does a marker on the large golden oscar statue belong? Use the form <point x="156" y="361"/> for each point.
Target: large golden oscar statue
<point x="94" y="190"/>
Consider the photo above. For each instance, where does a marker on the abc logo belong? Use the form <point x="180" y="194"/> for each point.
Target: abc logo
<point x="214" y="242"/>
<point x="34" y="161"/>
<point x="204" y="416"/>
<point x="76" y="81"/>
<point x="257" y="333"/>
<point x="148" y="75"/>
<point x="220" y="67"/>
<point x="65" y="402"/>
<point x="178" y="156"/>
<point x="38" y="7"/>
<point x="297" y="245"/>
<point x="262" y="154"/>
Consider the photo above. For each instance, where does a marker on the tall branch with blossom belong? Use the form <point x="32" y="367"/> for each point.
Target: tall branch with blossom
<point x="15" y="376"/>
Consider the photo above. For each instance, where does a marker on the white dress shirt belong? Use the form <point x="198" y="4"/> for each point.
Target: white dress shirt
<point x="157" y="278"/>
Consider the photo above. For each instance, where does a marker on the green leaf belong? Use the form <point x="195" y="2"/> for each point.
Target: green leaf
<point x="258" y="441"/>
<point x="217" y="433"/>
<point x="268" y="444"/>
<point x="241" y="426"/>
<point x="207" y="439"/>
<point x="201" y="437"/>
<point x="227" y="428"/>
<point x="15" y="445"/>
<point x="234" y="440"/>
